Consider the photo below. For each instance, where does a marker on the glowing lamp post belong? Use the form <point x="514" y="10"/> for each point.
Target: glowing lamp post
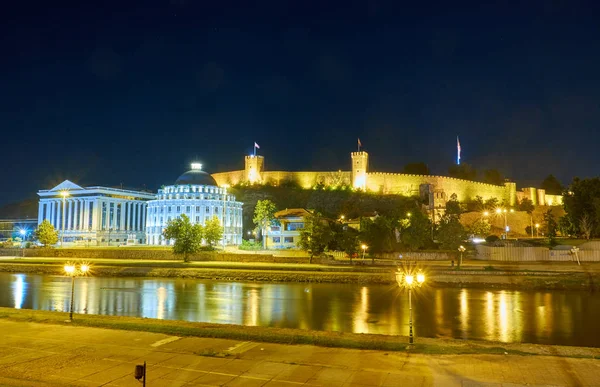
<point x="504" y="211"/>
<point x="23" y="233"/>
<point x="409" y="281"/>
<point x="224" y="212"/>
<point x="364" y="248"/>
<point x="537" y="230"/>
<point x="74" y="271"/>
<point x="461" y="249"/>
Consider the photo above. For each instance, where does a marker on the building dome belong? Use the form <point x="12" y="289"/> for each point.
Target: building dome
<point x="196" y="176"/>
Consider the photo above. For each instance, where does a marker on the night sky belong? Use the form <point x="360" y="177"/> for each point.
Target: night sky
<point x="130" y="92"/>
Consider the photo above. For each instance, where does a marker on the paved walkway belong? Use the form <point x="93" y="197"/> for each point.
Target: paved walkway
<point x="50" y="355"/>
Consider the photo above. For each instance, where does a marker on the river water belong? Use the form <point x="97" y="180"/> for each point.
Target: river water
<point x="547" y="317"/>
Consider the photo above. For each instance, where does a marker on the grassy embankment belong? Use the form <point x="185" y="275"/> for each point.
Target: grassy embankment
<point x="295" y="336"/>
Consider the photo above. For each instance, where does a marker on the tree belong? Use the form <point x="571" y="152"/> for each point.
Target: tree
<point x="453" y="206"/>
<point x="583" y="198"/>
<point x="480" y="227"/>
<point x="586" y="225"/>
<point x="527" y="206"/>
<point x="344" y="239"/>
<point x="450" y="233"/>
<point x="550" y="226"/>
<point x="491" y="204"/>
<point x="378" y="234"/>
<point x="264" y="214"/>
<point x="187" y="237"/>
<point x="462" y="171"/>
<point x="552" y="185"/>
<point x="416" y="169"/>
<point x="493" y="176"/>
<point x="417" y="234"/>
<point x="46" y="233"/>
<point x="315" y="236"/>
<point x="213" y="231"/>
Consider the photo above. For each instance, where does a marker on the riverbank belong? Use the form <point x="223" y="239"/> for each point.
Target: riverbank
<point x="107" y="357"/>
<point x="294" y="336"/>
<point x="472" y="274"/>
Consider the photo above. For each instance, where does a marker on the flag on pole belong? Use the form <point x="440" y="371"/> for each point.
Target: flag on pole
<point x="359" y="144"/>
<point x="256" y="146"/>
<point x="458" y="149"/>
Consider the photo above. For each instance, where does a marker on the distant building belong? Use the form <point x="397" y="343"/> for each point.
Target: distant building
<point x="197" y="195"/>
<point x="99" y="216"/>
<point x="10" y="228"/>
<point x="286" y="234"/>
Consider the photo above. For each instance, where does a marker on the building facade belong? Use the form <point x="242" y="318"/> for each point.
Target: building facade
<point x="286" y="234"/>
<point x="197" y="195"/>
<point x="97" y="216"/>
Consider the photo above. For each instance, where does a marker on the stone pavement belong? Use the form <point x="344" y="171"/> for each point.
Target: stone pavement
<point x="34" y="354"/>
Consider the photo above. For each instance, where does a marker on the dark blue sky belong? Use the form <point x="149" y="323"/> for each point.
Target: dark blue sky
<point x="132" y="91"/>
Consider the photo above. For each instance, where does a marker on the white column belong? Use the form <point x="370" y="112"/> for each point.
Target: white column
<point x="81" y="209"/>
<point x="133" y="224"/>
<point x="128" y="220"/>
<point x="144" y="215"/>
<point x="40" y="211"/>
<point x="59" y="210"/>
<point x="77" y="217"/>
<point x="139" y="216"/>
<point x="96" y="215"/>
<point x="69" y="213"/>
<point x="122" y="220"/>
<point x="51" y="212"/>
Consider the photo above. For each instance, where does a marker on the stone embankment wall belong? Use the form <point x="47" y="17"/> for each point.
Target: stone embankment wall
<point x="151" y="254"/>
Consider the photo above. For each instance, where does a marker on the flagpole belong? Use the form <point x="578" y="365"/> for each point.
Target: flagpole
<point x="254" y="149"/>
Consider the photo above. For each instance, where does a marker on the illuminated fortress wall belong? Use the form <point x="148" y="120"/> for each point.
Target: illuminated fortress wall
<point x="439" y="188"/>
<point x="465" y="190"/>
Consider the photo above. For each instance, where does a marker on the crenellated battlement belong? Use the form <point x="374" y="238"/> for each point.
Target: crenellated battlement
<point x="359" y="177"/>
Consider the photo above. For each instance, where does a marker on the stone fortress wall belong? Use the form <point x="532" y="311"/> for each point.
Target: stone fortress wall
<point x="439" y="189"/>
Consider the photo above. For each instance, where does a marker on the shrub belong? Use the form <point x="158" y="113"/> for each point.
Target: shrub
<point x="491" y="238"/>
<point x="248" y="245"/>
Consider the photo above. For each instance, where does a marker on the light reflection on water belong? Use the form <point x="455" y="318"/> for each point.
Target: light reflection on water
<point x="551" y="317"/>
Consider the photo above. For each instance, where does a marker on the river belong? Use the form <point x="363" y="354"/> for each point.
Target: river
<point x="545" y="317"/>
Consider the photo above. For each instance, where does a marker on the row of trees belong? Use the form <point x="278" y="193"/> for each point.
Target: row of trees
<point x="188" y="238"/>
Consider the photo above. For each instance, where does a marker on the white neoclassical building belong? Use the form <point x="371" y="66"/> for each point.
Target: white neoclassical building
<point x="197" y="195"/>
<point x="98" y="216"/>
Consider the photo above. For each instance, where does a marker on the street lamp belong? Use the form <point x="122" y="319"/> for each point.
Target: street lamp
<point x="537" y="230"/>
<point x="23" y="233"/>
<point x="64" y="195"/>
<point x="461" y="249"/>
<point x="224" y="212"/>
<point x="74" y="271"/>
<point x="406" y="279"/>
<point x="504" y="211"/>
<point x="364" y="248"/>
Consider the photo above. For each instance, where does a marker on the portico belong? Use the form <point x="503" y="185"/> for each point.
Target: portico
<point x="98" y="216"/>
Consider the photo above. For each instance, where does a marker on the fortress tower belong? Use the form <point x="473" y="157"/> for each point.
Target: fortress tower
<point x="360" y="165"/>
<point x="254" y="168"/>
